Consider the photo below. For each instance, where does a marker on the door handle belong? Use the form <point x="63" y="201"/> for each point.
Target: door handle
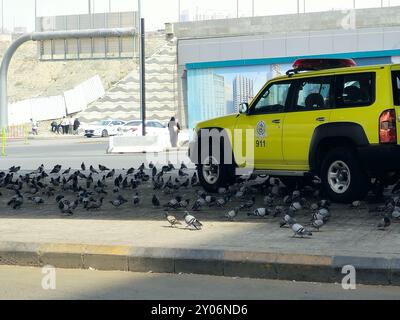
<point x="322" y="119"/>
<point x="277" y="121"/>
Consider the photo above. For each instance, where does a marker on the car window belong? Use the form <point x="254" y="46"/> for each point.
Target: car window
<point x="273" y="99"/>
<point x="396" y="88"/>
<point x="355" y="90"/>
<point x="104" y="123"/>
<point x="133" y="124"/>
<point x="314" y="94"/>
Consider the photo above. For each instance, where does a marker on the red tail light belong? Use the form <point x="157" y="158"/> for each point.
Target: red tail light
<point x="387" y="127"/>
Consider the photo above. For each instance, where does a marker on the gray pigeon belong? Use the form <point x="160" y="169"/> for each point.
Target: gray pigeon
<point x="384" y="224"/>
<point x="192" y="222"/>
<point x="232" y="214"/>
<point x="287" y="221"/>
<point x="300" y="231"/>
<point x="317" y="224"/>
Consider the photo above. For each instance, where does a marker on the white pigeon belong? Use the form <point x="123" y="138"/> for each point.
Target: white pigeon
<point x="260" y="212"/>
<point x="192" y="222"/>
<point x="318" y="224"/>
<point x="299" y="230"/>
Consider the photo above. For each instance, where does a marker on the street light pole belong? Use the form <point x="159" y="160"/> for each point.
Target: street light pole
<point x="237" y="9"/>
<point x="2" y="16"/>
<point x="142" y="70"/>
<point x="252" y="8"/>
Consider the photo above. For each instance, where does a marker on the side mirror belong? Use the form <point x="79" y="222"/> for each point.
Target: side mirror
<point x="244" y="108"/>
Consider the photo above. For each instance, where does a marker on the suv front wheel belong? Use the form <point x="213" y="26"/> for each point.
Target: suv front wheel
<point x="213" y="175"/>
<point x="343" y="178"/>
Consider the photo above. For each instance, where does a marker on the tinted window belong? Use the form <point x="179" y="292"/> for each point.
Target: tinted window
<point x="396" y="88"/>
<point x="355" y="90"/>
<point x="273" y="99"/>
<point x="314" y="94"/>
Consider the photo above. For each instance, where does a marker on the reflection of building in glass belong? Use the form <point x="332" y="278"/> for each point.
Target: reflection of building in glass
<point x="207" y="95"/>
<point x="243" y="91"/>
<point x="230" y="108"/>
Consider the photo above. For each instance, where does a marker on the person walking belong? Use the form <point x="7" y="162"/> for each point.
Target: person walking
<point x="71" y="125"/>
<point x="77" y="124"/>
<point x="174" y="129"/>
<point x="35" y="127"/>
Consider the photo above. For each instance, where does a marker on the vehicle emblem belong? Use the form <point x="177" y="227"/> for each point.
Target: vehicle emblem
<point x="261" y="130"/>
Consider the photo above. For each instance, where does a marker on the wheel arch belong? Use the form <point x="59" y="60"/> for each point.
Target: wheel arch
<point x="334" y="135"/>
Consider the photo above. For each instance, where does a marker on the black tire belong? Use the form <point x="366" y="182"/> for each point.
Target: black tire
<point x="357" y="181"/>
<point x="226" y="176"/>
<point x="104" y="134"/>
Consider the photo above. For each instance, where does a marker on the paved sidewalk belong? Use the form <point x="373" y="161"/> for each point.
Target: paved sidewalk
<point x="349" y="238"/>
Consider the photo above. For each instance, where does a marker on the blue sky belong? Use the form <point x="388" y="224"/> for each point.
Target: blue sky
<point x="157" y="12"/>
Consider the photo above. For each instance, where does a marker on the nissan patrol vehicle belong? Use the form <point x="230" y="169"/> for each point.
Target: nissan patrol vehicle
<point x="327" y="117"/>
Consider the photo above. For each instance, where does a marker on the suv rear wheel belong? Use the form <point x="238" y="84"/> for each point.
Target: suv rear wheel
<point x="343" y="178"/>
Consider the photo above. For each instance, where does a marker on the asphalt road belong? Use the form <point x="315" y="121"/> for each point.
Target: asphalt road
<point x="71" y="152"/>
<point x="26" y="283"/>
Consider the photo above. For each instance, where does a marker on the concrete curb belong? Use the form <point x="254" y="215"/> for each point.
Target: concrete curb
<point x="262" y="265"/>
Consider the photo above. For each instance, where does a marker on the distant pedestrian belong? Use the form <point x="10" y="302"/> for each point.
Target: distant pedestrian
<point x="77" y="124"/>
<point x="35" y="127"/>
<point x="64" y="125"/>
<point x="54" y="126"/>
<point x="174" y="129"/>
<point x="71" y="125"/>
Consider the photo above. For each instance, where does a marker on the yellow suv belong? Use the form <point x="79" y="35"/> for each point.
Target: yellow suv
<point x="327" y="118"/>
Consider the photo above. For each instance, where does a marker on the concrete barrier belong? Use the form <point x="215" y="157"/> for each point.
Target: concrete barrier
<point x="140" y="144"/>
<point x="133" y="144"/>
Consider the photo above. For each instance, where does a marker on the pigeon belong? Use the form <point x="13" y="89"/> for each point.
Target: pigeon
<point x="194" y="181"/>
<point x="181" y="173"/>
<point x="396" y="213"/>
<point x="56" y="169"/>
<point x="384" y="224"/>
<point x="317" y="224"/>
<point x="136" y="199"/>
<point x="66" y="172"/>
<point x="118" y="202"/>
<point x="299" y="230"/>
<point x="110" y="174"/>
<point x="95" y="205"/>
<point x="103" y="168"/>
<point x="232" y="214"/>
<point x="260" y="212"/>
<point x="192" y="222"/>
<point x="93" y="170"/>
<point x="287" y="221"/>
<point x="36" y="200"/>
<point x="172" y="220"/>
<point x="355" y="205"/>
<point x="155" y="201"/>
<point x="14" y="169"/>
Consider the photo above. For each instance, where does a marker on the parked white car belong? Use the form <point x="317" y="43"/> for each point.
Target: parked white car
<point x="153" y="127"/>
<point x="104" y="128"/>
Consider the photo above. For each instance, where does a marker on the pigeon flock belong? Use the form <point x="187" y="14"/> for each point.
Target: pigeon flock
<point x="89" y="188"/>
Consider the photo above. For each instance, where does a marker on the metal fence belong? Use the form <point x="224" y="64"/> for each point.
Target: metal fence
<point x="196" y="10"/>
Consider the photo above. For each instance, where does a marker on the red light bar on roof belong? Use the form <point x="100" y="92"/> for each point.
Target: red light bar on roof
<point x="321" y="64"/>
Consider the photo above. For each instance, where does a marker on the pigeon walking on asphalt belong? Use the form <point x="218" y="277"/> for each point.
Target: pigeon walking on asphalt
<point x="384" y="224"/>
<point x="192" y="222"/>
<point x="300" y="231"/>
<point x="172" y="220"/>
<point x="232" y="214"/>
<point x="287" y="221"/>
